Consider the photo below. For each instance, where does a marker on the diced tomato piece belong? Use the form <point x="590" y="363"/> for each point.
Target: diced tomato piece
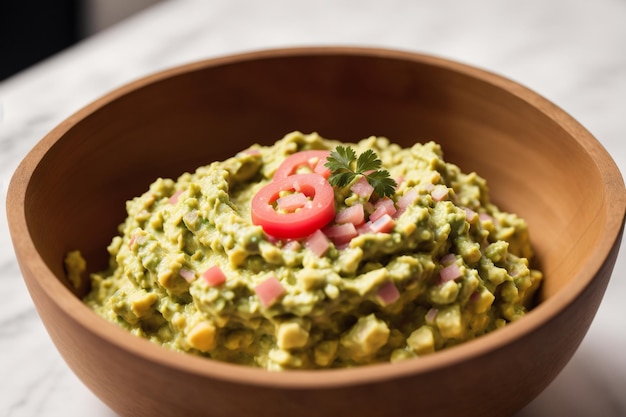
<point x="291" y="202"/>
<point x="317" y="242"/>
<point x="353" y="214"/>
<point x="308" y="159"/>
<point x="341" y="233"/>
<point x="301" y="223"/>
<point x="214" y="276"/>
<point x="388" y="293"/>
<point x="384" y="224"/>
<point x="362" y="188"/>
<point x="269" y="291"/>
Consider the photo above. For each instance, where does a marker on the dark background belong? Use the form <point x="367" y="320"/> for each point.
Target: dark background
<point x="32" y="30"/>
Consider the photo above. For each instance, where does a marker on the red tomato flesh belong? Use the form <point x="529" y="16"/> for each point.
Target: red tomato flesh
<point x="313" y="160"/>
<point x="300" y="223"/>
<point x="214" y="276"/>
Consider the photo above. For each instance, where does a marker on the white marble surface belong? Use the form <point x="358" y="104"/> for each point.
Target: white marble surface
<point x="572" y="52"/>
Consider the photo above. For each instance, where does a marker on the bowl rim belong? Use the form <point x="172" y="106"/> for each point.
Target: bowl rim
<point x="615" y="203"/>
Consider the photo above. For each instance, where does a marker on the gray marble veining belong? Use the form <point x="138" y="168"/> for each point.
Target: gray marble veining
<point x="571" y="52"/>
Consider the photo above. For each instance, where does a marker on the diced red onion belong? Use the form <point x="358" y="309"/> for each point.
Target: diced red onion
<point x="293" y="245"/>
<point x="439" y="192"/>
<point x="450" y="273"/>
<point x="353" y="214"/>
<point x="364" y="228"/>
<point x="484" y="217"/>
<point x="470" y="215"/>
<point x="187" y="274"/>
<point x="191" y="216"/>
<point x="269" y="291"/>
<point x="388" y="204"/>
<point x="448" y="258"/>
<point x="138" y="239"/>
<point x="174" y="198"/>
<point x="341" y="233"/>
<point x="377" y="213"/>
<point x="428" y="186"/>
<point x="291" y="202"/>
<point x="406" y="200"/>
<point x="431" y="315"/>
<point x="388" y="293"/>
<point x="362" y="188"/>
<point x="342" y="245"/>
<point x="383" y="206"/>
<point x="317" y="243"/>
<point x="384" y="224"/>
<point x="296" y="184"/>
<point x="321" y="169"/>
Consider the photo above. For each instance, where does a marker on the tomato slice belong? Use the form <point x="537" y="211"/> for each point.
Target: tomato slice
<point x="298" y="224"/>
<point x="313" y="159"/>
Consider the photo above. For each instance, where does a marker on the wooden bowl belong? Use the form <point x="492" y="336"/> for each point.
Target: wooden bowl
<point x="69" y="192"/>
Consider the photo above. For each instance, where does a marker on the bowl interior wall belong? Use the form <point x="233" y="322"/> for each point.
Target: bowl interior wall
<point x="174" y="124"/>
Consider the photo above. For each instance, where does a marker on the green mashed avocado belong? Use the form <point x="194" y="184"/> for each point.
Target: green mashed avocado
<point x="449" y="267"/>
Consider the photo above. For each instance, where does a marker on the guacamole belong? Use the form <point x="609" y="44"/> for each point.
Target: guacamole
<point x="199" y="267"/>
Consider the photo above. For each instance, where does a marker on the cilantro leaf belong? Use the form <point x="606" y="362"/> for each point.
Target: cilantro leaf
<point x="341" y="179"/>
<point x="368" y="161"/>
<point x="345" y="167"/>
<point x="340" y="160"/>
<point x="383" y="184"/>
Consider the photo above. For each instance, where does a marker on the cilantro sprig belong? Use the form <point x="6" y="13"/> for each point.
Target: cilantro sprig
<point x="345" y="167"/>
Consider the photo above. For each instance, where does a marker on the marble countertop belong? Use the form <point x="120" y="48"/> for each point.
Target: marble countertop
<point x="571" y="52"/>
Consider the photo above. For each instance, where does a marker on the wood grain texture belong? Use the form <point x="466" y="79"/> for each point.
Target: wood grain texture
<point x="69" y="193"/>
